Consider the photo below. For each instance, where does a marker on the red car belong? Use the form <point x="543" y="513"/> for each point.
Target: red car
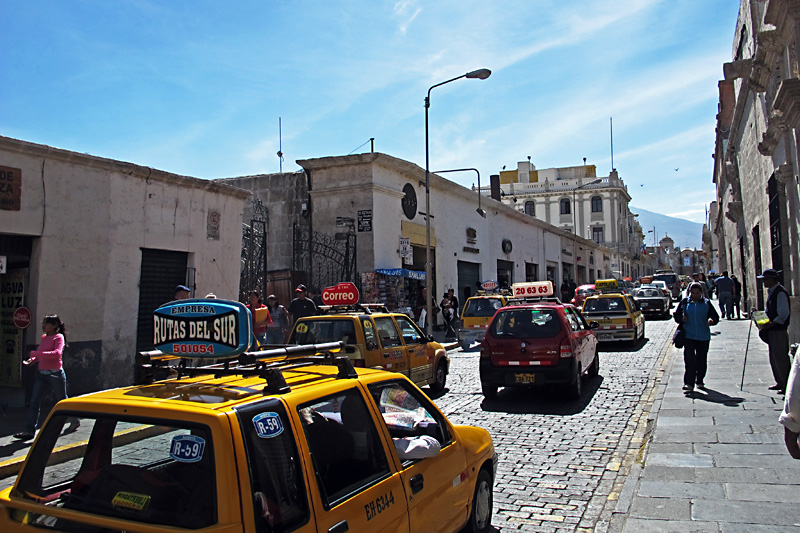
<point x="540" y="343"/>
<point x="581" y="293"/>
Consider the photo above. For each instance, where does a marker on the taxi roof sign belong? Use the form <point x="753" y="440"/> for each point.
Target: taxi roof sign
<point x="202" y="328"/>
<point x="606" y="285"/>
<point x="532" y="289"/>
<point x="344" y="293"/>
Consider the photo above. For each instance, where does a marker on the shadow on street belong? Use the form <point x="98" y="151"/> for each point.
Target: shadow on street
<point x="543" y="400"/>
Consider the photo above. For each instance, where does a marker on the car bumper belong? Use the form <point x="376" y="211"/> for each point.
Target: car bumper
<point x="512" y="376"/>
<point x="610" y="335"/>
<point x="471" y="334"/>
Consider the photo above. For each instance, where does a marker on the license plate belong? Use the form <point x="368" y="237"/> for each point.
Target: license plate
<point x="644" y="305"/>
<point x="604" y="337"/>
<point x="524" y="378"/>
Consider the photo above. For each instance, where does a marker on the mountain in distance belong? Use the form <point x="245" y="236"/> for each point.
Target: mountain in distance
<point x="684" y="233"/>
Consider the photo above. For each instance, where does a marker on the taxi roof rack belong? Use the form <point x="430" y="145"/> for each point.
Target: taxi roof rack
<point x="493" y="292"/>
<point x="367" y="309"/>
<point x="533" y="299"/>
<point x="260" y="363"/>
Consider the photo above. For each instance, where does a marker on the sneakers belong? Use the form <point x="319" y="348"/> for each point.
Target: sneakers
<point x="701" y="385"/>
<point x="688" y="388"/>
<point x="23" y="435"/>
<point x="775" y="387"/>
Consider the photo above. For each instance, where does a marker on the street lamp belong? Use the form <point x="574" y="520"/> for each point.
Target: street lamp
<point x="480" y="211"/>
<point x="575" y="226"/>
<point x="480" y="74"/>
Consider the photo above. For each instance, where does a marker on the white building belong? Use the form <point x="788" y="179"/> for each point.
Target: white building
<point x="577" y="201"/>
<point x="102" y="243"/>
<point x="385" y="197"/>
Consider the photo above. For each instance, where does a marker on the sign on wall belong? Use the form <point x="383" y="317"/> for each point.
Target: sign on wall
<point x="365" y="220"/>
<point x="10" y="187"/>
<point x="406" y="252"/>
<point x="212" y="224"/>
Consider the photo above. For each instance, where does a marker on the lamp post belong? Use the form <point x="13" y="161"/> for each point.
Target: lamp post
<point x="575" y="226"/>
<point x="480" y="74"/>
<point x="480" y="211"/>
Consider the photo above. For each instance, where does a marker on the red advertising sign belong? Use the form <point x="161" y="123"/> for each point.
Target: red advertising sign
<point x="489" y="285"/>
<point x="22" y="317"/>
<point x="344" y="293"/>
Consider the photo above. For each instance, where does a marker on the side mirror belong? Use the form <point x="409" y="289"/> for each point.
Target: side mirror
<point x="594" y="324"/>
<point x="429" y="338"/>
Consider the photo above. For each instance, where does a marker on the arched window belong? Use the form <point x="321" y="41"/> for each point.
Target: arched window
<point x="530" y="208"/>
<point x="597" y="204"/>
<point x="566" y="207"/>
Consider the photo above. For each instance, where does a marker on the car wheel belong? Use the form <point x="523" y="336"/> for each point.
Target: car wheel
<point x="489" y="391"/>
<point x="465" y="345"/>
<point x="441" y="378"/>
<point x="576" y="389"/>
<point x="594" y="368"/>
<point x="480" y="518"/>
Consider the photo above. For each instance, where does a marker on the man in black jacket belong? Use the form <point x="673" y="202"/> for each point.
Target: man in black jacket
<point x="775" y="333"/>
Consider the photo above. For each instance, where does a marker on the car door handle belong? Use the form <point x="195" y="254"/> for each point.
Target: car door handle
<point x="416" y="483"/>
<point x="341" y="527"/>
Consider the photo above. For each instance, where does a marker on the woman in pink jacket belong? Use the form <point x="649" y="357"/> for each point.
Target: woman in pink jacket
<point x="50" y="372"/>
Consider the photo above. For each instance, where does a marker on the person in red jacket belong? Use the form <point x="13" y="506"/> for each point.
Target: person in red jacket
<point x="50" y="372"/>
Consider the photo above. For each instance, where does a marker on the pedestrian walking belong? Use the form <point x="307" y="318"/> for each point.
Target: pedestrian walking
<point x="259" y="326"/>
<point x="703" y="286"/>
<point x="277" y="330"/>
<point x="790" y="417"/>
<point x="695" y="314"/>
<point x="737" y="295"/>
<point x="49" y="371"/>
<point x="725" y="295"/>
<point x="566" y="296"/>
<point x="776" y="332"/>
<point x="447" y="316"/>
<point x="302" y="306"/>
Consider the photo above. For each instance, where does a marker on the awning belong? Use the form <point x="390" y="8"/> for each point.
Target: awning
<point x="402" y="272"/>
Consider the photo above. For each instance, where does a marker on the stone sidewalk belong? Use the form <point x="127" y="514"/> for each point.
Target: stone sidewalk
<point x="714" y="460"/>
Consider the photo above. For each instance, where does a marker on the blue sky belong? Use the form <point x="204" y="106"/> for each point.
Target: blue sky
<point x="197" y="87"/>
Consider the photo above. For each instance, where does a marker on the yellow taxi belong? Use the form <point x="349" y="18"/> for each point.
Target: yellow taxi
<point x="618" y="316"/>
<point x="477" y="313"/>
<point x="374" y="337"/>
<point x="268" y="441"/>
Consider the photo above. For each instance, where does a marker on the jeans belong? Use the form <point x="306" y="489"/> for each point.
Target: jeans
<point x="57" y="381"/>
<point x="726" y="304"/>
<point x="275" y="336"/>
<point x="695" y="360"/>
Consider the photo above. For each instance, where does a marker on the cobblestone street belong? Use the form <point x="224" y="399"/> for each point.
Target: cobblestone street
<point x="561" y="460"/>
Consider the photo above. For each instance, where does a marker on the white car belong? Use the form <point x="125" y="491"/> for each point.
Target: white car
<point x="664" y="288"/>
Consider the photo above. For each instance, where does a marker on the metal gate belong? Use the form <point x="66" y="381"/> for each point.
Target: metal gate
<point x="326" y="260"/>
<point x="254" y="252"/>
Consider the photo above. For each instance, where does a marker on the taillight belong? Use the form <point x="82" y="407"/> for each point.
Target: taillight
<point x="484" y="353"/>
<point x="629" y="323"/>
<point x="566" y="349"/>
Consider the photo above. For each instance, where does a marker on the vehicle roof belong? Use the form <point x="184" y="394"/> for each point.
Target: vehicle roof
<point x="222" y="393"/>
<point x="586" y="285"/>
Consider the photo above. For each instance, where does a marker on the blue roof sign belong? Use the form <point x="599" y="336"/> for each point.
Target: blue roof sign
<point x="202" y="328"/>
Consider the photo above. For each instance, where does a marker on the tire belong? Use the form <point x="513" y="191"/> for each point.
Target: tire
<point x="480" y="517"/>
<point x="575" y="390"/>
<point x="441" y="378"/>
<point x="594" y="368"/>
<point x="489" y="391"/>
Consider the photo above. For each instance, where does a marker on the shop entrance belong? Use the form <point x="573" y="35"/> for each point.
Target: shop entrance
<point x="469" y="279"/>
<point x="16" y="255"/>
<point x="505" y="273"/>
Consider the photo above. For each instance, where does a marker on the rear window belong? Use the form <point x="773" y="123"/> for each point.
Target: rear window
<point x="586" y="292"/>
<point x="605" y="305"/>
<point x="151" y="471"/>
<point x="526" y="324"/>
<point x="648" y="293"/>
<point x="669" y="279"/>
<point x="317" y="331"/>
<point x="482" y="307"/>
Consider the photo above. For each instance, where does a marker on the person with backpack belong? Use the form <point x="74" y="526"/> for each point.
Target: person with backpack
<point x="695" y="314"/>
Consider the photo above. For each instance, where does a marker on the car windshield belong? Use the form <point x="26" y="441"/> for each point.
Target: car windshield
<point x="317" y="331"/>
<point x="605" y="305"/>
<point x="482" y="307"/>
<point x="150" y="471"/>
<point x="586" y="292"/>
<point x="526" y="324"/>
